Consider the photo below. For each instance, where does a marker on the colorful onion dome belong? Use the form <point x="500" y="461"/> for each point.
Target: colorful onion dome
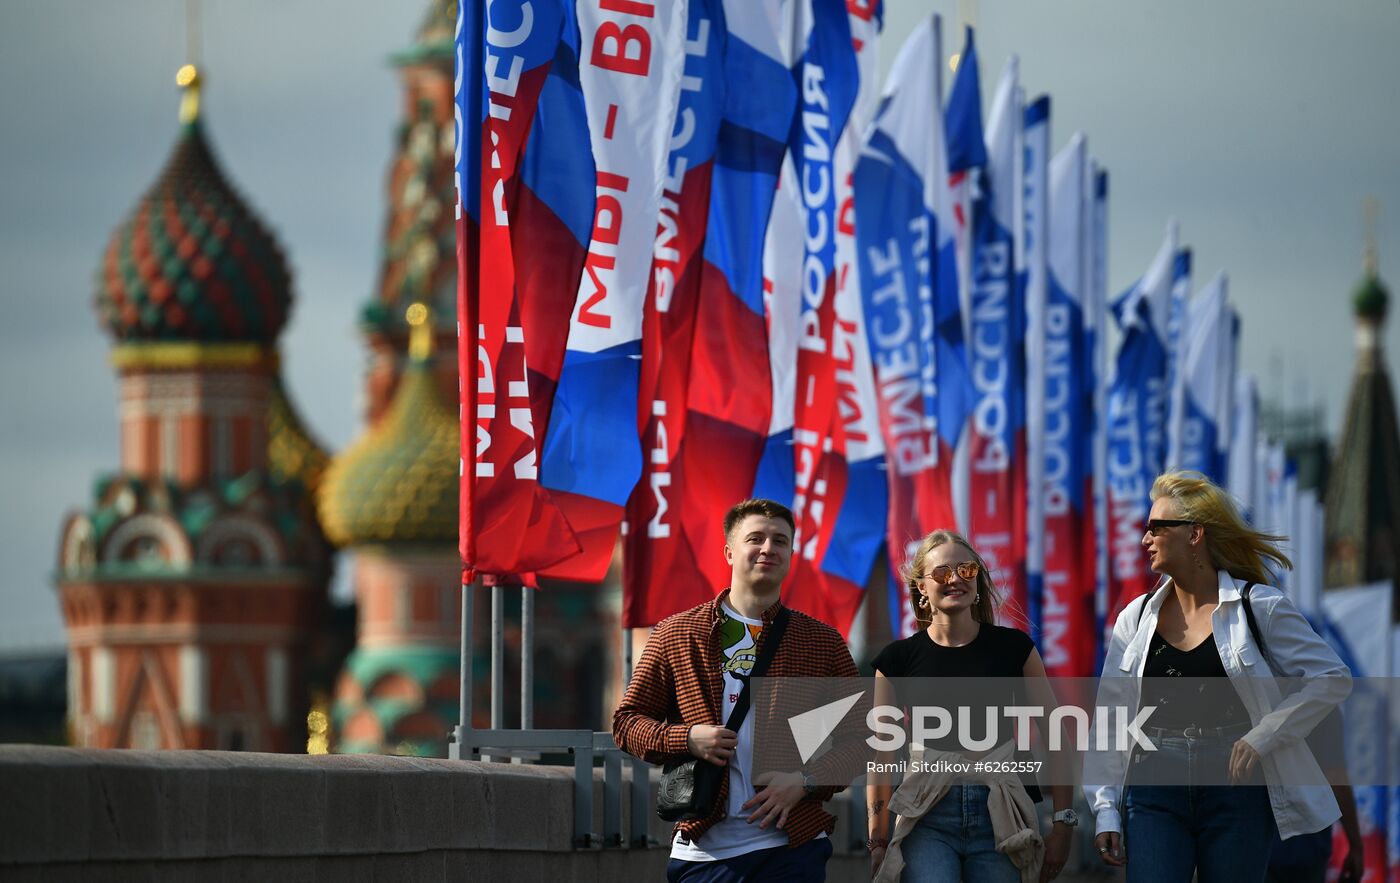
<point x="192" y="262"/>
<point x="398" y="482"/>
<point x="398" y="700"/>
<point x="156" y="528"/>
<point x="292" y="453"/>
<point x="419" y="260"/>
<point x="436" y="36"/>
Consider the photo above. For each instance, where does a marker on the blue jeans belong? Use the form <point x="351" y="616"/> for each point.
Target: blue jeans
<point x="954" y="841"/>
<point x="798" y="864"/>
<point x="1221" y="832"/>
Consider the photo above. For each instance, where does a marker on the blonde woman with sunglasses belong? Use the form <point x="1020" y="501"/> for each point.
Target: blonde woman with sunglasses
<point x="1229" y="770"/>
<point x="958" y="826"/>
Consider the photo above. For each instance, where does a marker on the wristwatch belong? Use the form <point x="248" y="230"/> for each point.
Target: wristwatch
<point x="809" y="784"/>
<point x="1066" y="816"/>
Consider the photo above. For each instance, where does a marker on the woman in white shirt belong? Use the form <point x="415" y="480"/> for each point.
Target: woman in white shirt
<point x="1229" y="772"/>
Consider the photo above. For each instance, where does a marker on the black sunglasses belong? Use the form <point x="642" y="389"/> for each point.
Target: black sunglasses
<point x="1155" y="526"/>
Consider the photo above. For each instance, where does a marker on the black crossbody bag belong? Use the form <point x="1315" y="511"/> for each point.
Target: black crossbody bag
<point x="689" y="787"/>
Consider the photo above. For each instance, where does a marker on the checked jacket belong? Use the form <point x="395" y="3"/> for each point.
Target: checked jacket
<point x="678" y="683"/>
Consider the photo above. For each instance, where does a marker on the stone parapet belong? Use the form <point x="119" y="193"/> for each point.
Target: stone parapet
<point x="89" y="814"/>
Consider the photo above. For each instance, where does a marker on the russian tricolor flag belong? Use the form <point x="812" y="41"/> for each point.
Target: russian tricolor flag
<point x="730" y="397"/>
<point x="997" y="326"/>
<point x="662" y="571"/>
<point x="1136" y="422"/>
<point x="630" y="74"/>
<point x="909" y="289"/>
<point x="510" y="526"/>
<point x="804" y="461"/>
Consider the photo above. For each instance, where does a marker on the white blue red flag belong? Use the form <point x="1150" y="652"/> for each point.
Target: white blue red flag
<point x="1065" y="456"/>
<point x="859" y="532"/>
<point x="907" y="262"/>
<point x="1033" y="268"/>
<point x="966" y="152"/>
<point x="630" y="71"/>
<point x="661" y="570"/>
<point x="804" y="462"/>
<point x="1136" y="427"/>
<point x="729" y="399"/>
<point x="1096" y="333"/>
<point x="996" y="346"/>
<point x="515" y="80"/>
<point x="1201" y="394"/>
<point x="1357" y="625"/>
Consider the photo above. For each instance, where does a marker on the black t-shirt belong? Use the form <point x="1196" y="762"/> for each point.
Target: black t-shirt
<point x="1183" y="703"/>
<point x="996" y="652"/>
<point x="922" y="669"/>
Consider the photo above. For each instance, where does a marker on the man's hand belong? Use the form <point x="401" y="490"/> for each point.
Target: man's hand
<point x="712" y="744"/>
<point x="1110" y="848"/>
<point x="1243" y="760"/>
<point x="1056" y="851"/>
<point x="778" y="793"/>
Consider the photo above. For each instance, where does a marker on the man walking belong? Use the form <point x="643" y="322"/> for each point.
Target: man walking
<point x="688" y="680"/>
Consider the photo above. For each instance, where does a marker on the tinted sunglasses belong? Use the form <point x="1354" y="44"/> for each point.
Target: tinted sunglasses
<point x="943" y="573"/>
<point x="1156" y="525"/>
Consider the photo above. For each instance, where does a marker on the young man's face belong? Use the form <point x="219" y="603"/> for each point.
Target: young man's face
<point x="759" y="551"/>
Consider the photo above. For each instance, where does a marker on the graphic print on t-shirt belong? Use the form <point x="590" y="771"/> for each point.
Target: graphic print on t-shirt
<point x="738" y="640"/>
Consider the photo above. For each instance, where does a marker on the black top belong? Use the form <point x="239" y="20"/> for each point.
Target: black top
<point x="996" y="652"/>
<point x="1183" y="703"/>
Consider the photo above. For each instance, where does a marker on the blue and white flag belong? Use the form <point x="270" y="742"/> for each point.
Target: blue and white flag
<point x="1244" y="443"/>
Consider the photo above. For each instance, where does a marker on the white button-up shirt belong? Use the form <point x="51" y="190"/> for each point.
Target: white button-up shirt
<point x="1280" y="723"/>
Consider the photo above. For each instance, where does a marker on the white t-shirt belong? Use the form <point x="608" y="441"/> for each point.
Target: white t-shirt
<point x="733" y="835"/>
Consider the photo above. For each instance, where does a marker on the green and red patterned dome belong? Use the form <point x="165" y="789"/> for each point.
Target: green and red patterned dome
<point x="192" y="262"/>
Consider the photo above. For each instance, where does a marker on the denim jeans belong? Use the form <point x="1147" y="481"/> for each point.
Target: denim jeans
<point x="954" y="841"/>
<point x="800" y="864"/>
<point x="1221" y="832"/>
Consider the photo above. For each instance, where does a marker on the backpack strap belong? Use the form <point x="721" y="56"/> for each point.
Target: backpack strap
<point x="1254" y="632"/>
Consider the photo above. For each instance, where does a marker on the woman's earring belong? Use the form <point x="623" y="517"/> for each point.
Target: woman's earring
<point x="923" y="600"/>
<point x="977" y="598"/>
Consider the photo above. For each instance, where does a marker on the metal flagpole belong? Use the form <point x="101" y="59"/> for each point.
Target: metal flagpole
<point x="498" y="657"/>
<point x="626" y="656"/>
<point x="464" y="717"/>
<point x="527" y="658"/>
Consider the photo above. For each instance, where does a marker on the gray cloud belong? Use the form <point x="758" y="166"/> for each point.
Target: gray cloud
<point x="1261" y="126"/>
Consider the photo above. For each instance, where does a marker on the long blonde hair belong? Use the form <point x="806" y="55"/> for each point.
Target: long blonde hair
<point x="983" y="610"/>
<point x="1232" y="544"/>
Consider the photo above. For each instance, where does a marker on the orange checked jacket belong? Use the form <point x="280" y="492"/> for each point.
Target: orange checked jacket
<point x="679" y="682"/>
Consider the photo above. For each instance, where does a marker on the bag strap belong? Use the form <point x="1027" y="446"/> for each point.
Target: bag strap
<point x="1254" y="632"/>
<point x="760" y="666"/>
<point x="1146" y="599"/>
